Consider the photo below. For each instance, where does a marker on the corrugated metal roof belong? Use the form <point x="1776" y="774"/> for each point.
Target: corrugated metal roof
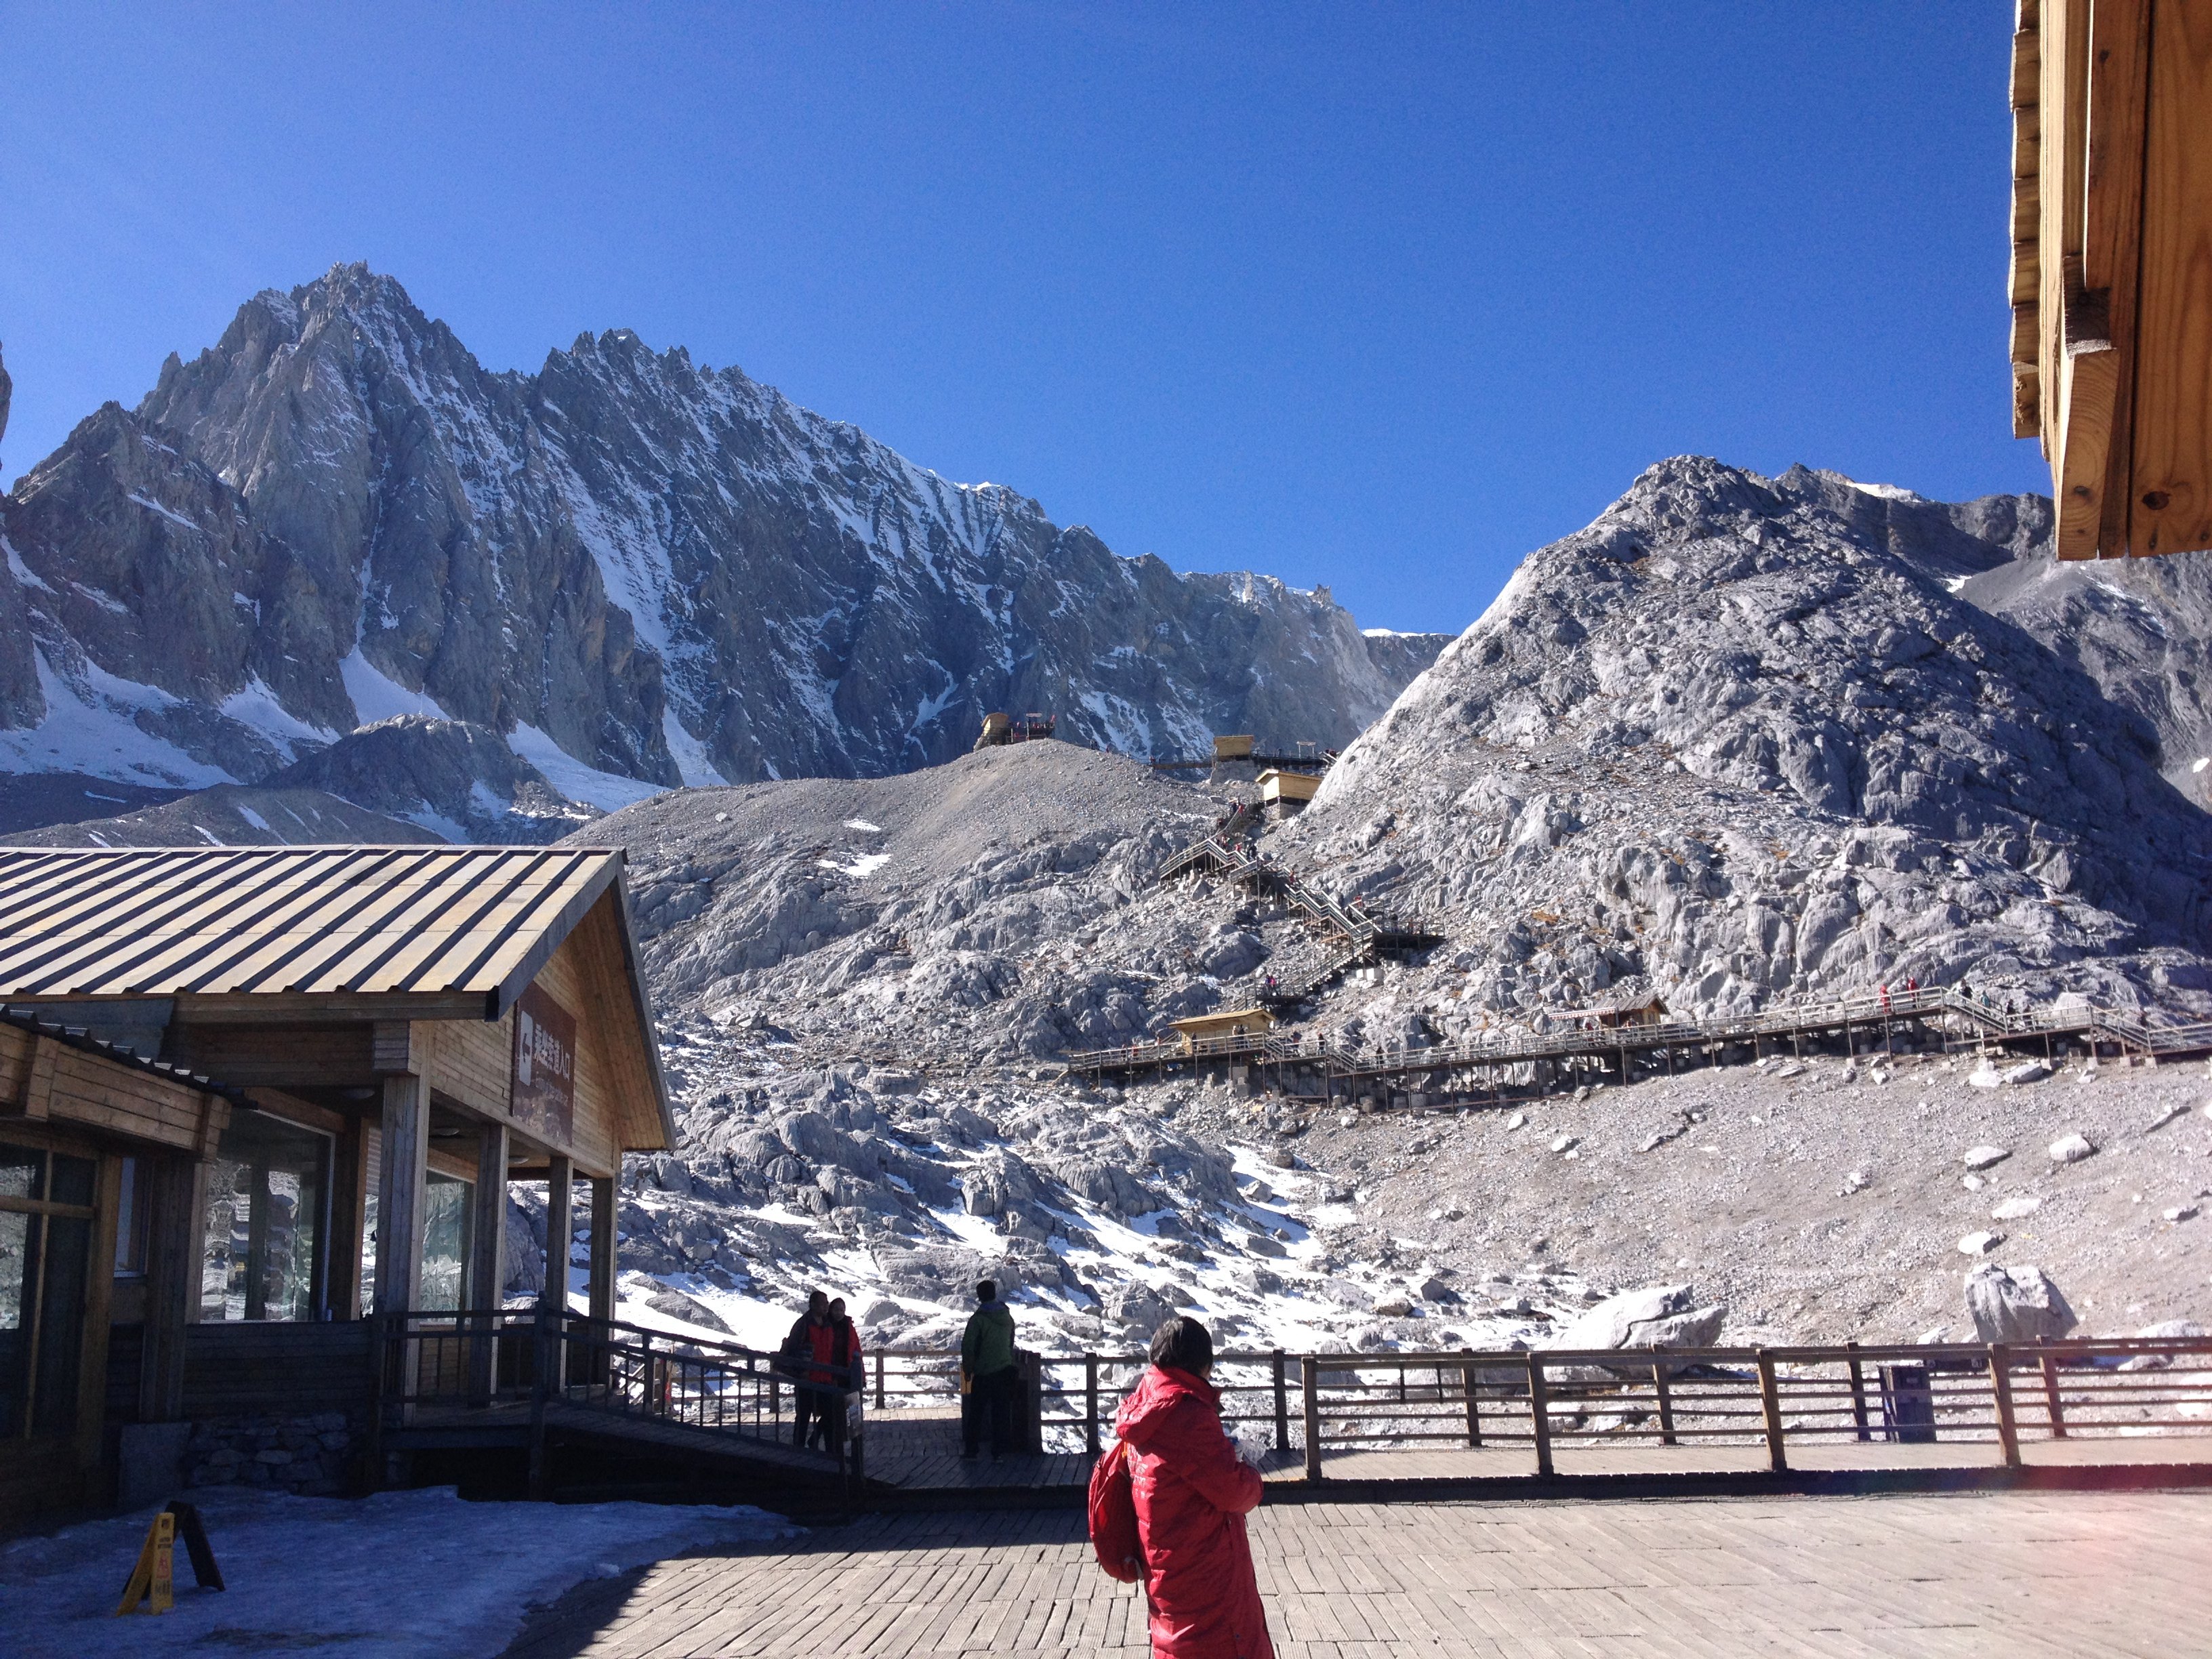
<point x="359" y="921"/>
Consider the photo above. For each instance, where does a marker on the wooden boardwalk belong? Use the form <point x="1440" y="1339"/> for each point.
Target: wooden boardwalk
<point x="2023" y="1574"/>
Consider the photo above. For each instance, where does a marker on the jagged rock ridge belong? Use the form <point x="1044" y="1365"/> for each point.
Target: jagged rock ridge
<point x="631" y="569"/>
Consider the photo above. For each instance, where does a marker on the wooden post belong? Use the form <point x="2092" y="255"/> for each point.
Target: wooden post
<point x="404" y="1145"/>
<point x="1467" y="1383"/>
<point x="2000" y="1392"/>
<point x="1282" y="1401"/>
<point x="174" y="1222"/>
<point x="1666" y="1402"/>
<point x="1859" y="1394"/>
<point x="600" y="1275"/>
<point x="487" y="1263"/>
<point x="1309" y="1376"/>
<point x="1091" y="1401"/>
<point x="405" y="1148"/>
<point x="560" y="1228"/>
<point x="548" y="1339"/>
<point x="1769" y="1401"/>
<point x="2050" y="1394"/>
<point x="880" y="1393"/>
<point x="1540" y="1413"/>
<point x="349" y="1219"/>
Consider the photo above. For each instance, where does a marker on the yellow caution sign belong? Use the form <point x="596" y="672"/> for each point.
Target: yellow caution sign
<point x="150" y="1581"/>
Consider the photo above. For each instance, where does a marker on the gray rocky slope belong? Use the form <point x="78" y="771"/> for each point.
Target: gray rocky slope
<point x="1740" y="741"/>
<point x="629" y="570"/>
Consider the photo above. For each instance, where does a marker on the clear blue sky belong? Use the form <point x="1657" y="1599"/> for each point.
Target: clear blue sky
<point x="1375" y="295"/>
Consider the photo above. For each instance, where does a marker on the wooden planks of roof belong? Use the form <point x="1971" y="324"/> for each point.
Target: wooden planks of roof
<point x="2111" y="267"/>
<point x="470" y="922"/>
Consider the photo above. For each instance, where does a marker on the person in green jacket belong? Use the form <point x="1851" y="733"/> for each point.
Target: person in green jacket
<point x="988" y="1376"/>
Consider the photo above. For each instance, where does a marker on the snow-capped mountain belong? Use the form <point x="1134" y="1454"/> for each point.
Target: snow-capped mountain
<point x="633" y="570"/>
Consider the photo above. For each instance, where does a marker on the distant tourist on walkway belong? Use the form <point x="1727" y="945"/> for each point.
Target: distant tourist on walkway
<point x="1193" y="1492"/>
<point x="836" y="1351"/>
<point x="988" y="1380"/>
<point x="795" y="1361"/>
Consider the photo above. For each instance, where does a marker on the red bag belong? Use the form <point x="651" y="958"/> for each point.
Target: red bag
<point x="1114" y="1517"/>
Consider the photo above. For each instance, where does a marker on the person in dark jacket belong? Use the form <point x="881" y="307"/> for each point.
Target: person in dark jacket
<point x="1192" y="1490"/>
<point x="988" y="1372"/>
<point x="795" y="1362"/>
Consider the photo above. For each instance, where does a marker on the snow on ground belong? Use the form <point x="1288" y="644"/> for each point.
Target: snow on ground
<point x="573" y="778"/>
<point x="311" y="1574"/>
<point x="377" y="696"/>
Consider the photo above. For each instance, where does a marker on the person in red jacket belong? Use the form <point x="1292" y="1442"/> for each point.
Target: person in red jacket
<point x="1192" y="1491"/>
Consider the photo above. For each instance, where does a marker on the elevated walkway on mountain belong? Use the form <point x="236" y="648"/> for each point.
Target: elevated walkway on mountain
<point x="1356" y="935"/>
<point x="1527" y="1060"/>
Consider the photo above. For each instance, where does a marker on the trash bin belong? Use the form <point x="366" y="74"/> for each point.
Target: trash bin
<point x="1908" y="1405"/>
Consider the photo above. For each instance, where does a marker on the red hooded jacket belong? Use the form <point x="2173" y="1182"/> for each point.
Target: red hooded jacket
<point x="1192" y="1495"/>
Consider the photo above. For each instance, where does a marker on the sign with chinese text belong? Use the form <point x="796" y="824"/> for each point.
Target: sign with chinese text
<point x="543" y="1098"/>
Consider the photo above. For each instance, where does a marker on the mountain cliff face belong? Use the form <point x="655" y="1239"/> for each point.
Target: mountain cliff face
<point x="634" y="570"/>
<point x="1746" y="738"/>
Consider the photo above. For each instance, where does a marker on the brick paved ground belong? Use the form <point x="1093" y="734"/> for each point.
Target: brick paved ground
<point x="2018" y="1574"/>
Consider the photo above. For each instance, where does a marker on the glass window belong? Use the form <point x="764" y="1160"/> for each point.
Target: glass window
<point x="262" y="1255"/>
<point x="45" y="1257"/>
<point x="61" y="1321"/>
<point x="446" y="1211"/>
<point x="23" y="1172"/>
<point x="131" y="1220"/>
<point x="71" y="1181"/>
<point x="19" y="1297"/>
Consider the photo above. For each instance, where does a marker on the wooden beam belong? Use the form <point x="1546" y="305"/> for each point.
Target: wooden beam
<point x="602" y="1271"/>
<point x="559" y="1225"/>
<point x="391" y="1047"/>
<point x="100" y="1289"/>
<point x="173" y="1192"/>
<point x="39" y="1091"/>
<point x="2088" y="392"/>
<point x="2111" y="237"/>
<point x="2171" y="485"/>
<point x="403" y="1148"/>
<point x="2119" y="74"/>
<point x="349" y="1219"/>
<point x="488" y="1267"/>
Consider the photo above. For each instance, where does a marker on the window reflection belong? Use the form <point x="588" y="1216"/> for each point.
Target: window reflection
<point x="446" y="1209"/>
<point x="265" y="1200"/>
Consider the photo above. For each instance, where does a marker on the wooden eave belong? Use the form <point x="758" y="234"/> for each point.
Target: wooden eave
<point x="2111" y="282"/>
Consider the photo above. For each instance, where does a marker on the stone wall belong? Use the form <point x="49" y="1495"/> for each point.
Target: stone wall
<point x="313" y="1454"/>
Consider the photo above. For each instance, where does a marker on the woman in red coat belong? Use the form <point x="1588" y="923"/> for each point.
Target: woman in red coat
<point x="1193" y="1492"/>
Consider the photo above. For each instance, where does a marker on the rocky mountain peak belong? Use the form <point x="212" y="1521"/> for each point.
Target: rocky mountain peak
<point x="1741" y="738"/>
<point x="632" y="569"/>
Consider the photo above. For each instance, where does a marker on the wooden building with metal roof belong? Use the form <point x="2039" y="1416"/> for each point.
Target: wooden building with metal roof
<point x="281" y="1090"/>
<point x="2111" y="267"/>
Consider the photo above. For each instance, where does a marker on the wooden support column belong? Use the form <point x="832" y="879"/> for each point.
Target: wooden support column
<point x="174" y="1221"/>
<point x="487" y="1265"/>
<point x="487" y="1262"/>
<point x="1540" y="1415"/>
<point x="560" y="1227"/>
<point x="406" y="1152"/>
<point x="601" y="1270"/>
<point x="1770" y="1402"/>
<point x="348" y="1220"/>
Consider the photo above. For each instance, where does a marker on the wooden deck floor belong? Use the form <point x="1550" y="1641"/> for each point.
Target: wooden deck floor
<point x="2031" y="1575"/>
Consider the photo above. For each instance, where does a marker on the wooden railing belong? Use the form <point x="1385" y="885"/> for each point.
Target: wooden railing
<point x="1979" y="1020"/>
<point x="438" y="1364"/>
<point x="1542" y="1400"/>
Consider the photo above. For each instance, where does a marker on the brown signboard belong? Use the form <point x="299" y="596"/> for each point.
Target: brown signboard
<point x="543" y="1098"/>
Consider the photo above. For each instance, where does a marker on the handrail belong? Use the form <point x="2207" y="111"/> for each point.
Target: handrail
<point x="2067" y="1018"/>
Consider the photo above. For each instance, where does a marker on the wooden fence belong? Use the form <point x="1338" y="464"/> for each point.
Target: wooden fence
<point x="1540" y="1401"/>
